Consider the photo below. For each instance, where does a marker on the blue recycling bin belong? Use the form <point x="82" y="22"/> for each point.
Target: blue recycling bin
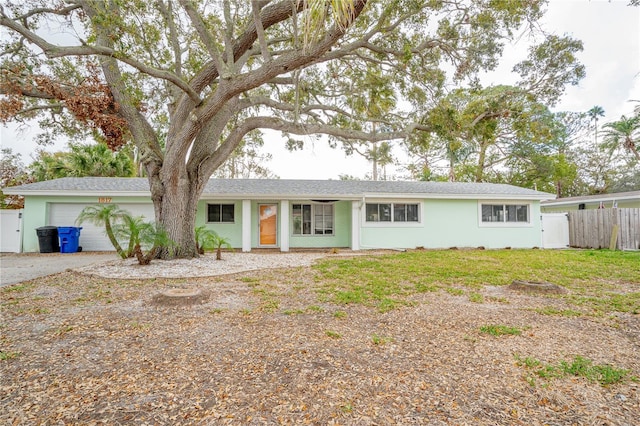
<point x="69" y="238"/>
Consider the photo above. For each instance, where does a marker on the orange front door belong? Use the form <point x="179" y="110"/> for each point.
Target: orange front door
<point x="268" y="215"/>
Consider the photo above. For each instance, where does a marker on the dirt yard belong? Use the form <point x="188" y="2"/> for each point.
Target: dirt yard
<point x="266" y="349"/>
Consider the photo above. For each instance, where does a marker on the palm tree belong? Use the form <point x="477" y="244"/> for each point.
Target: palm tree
<point x="208" y="239"/>
<point x="129" y="230"/>
<point x="218" y="243"/>
<point x="151" y="238"/>
<point x="594" y="113"/>
<point x="381" y="156"/>
<point x="49" y="166"/>
<point x="105" y="215"/>
<point x="99" y="160"/>
<point x="623" y="134"/>
<point x="83" y="160"/>
<point x="204" y="238"/>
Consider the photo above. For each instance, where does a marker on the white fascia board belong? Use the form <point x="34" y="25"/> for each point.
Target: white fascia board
<point x="394" y="196"/>
<point x="609" y="197"/>
<point x="428" y="196"/>
<point x="279" y="197"/>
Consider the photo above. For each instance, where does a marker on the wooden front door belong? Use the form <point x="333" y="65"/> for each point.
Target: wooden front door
<point x="268" y="224"/>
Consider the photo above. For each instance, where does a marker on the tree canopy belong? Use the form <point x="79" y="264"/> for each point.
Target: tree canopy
<point x="186" y="81"/>
<point x="83" y="160"/>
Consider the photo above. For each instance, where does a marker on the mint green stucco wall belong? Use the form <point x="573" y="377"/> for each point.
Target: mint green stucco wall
<point x="342" y="228"/>
<point x="445" y="223"/>
<point x="453" y="223"/>
<point x="342" y="218"/>
<point x="231" y="231"/>
<point x="36" y="214"/>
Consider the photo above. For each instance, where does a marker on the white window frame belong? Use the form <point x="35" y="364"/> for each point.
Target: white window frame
<point x="221" y="222"/>
<point x="505" y="224"/>
<point x="312" y="232"/>
<point x="392" y="223"/>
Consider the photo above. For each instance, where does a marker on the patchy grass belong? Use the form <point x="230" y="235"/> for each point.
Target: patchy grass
<point x="603" y="303"/>
<point x="579" y="367"/>
<point x="340" y="314"/>
<point x="5" y="356"/>
<point x="594" y="277"/>
<point x="500" y="330"/>
<point x="17" y="288"/>
<point x="333" y="334"/>
<point x="380" y="340"/>
<point x="454" y="291"/>
<point x="550" y="310"/>
<point x="476" y="297"/>
<point x="274" y="346"/>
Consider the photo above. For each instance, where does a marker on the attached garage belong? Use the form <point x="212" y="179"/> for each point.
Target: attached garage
<point x="92" y="237"/>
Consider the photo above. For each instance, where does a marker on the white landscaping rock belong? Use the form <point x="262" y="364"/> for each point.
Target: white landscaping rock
<point x="204" y="266"/>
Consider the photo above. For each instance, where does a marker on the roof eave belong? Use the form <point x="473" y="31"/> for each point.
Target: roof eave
<point x="460" y="196"/>
<point x="590" y="200"/>
<point x="253" y="196"/>
<point x="76" y="193"/>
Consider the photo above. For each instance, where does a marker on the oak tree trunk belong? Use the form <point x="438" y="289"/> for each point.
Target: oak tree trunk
<point x="176" y="205"/>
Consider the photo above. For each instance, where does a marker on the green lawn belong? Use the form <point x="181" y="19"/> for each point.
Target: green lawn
<point x="598" y="280"/>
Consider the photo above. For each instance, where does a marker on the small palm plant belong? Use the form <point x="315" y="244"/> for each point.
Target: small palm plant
<point x="129" y="230"/>
<point x="151" y="238"/>
<point x="105" y="215"/>
<point x="208" y="239"/>
<point x="219" y="243"/>
<point x="203" y="238"/>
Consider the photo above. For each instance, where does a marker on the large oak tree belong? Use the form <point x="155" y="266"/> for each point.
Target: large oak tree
<point x="185" y="80"/>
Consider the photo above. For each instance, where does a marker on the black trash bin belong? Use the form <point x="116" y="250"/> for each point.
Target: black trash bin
<point x="48" y="239"/>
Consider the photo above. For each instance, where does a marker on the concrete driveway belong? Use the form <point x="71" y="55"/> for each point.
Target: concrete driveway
<point x="15" y="268"/>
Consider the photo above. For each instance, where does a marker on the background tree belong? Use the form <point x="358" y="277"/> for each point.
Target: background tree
<point x="479" y="131"/>
<point x="12" y="173"/>
<point x="83" y="160"/>
<point x="247" y="161"/>
<point x="594" y="114"/>
<point x="371" y="99"/>
<point x="170" y="76"/>
<point x="623" y="134"/>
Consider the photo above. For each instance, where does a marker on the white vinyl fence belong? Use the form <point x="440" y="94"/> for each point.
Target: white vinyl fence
<point x="555" y="230"/>
<point x="10" y="231"/>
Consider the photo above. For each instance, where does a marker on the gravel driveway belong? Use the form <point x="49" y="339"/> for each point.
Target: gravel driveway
<point x="15" y="268"/>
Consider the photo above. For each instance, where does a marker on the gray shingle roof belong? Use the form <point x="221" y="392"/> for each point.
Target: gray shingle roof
<point x="281" y="188"/>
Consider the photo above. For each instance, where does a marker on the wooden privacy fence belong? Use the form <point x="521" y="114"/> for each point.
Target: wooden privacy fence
<point x="605" y="228"/>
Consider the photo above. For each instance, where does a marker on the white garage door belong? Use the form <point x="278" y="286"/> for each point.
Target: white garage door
<point x="92" y="237"/>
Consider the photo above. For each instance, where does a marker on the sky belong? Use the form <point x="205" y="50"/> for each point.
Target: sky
<point x="609" y="30"/>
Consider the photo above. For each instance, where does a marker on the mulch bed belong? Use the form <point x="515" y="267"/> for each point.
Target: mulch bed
<point x="263" y="349"/>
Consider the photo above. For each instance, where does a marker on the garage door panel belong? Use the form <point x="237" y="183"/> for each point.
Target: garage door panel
<point x="92" y="237"/>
